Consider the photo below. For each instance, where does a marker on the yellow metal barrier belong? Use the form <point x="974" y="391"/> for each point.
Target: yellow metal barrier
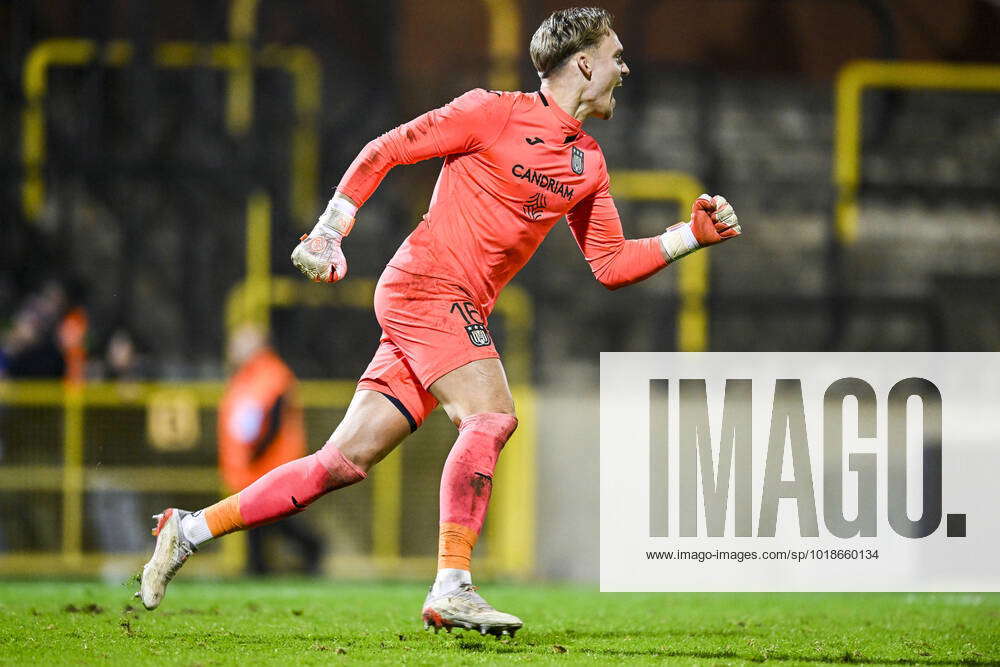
<point x="693" y="276"/>
<point x="72" y="473"/>
<point x="852" y="81"/>
<point x="239" y="90"/>
<point x="73" y="478"/>
<point x="298" y="61"/>
<point x="504" y="45"/>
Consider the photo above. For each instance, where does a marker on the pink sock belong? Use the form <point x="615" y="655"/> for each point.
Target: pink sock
<point x="467" y="478"/>
<point x="291" y="487"/>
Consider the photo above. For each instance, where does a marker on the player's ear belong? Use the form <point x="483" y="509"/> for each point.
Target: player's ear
<point x="584" y="64"/>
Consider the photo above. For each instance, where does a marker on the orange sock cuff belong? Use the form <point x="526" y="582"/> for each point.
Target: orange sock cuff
<point x="455" y="543"/>
<point x="224" y="516"/>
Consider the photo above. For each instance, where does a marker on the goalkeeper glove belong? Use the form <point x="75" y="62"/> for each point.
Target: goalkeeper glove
<point x="318" y="254"/>
<point x="713" y="220"/>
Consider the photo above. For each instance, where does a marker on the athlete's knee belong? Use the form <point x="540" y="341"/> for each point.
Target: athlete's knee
<point x="498" y="427"/>
<point x="343" y="469"/>
<point x="507" y="411"/>
<point x="504" y="408"/>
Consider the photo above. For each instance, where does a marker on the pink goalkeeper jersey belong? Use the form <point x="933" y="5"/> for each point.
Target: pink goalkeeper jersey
<point x="515" y="163"/>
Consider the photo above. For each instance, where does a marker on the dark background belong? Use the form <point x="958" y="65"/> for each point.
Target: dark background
<point x="143" y="220"/>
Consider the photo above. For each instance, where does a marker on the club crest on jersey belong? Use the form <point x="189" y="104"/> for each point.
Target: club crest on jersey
<point x="479" y="335"/>
<point x="577" y="161"/>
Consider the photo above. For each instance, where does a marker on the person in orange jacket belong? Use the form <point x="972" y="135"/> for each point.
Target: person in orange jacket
<point x="260" y="428"/>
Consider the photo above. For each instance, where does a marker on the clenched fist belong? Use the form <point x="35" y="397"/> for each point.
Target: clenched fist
<point x="713" y="220"/>
<point x="318" y="254"/>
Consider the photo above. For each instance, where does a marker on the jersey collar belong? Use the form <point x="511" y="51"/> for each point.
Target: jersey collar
<point x="571" y="124"/>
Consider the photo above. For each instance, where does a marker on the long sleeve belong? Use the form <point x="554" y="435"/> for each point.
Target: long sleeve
<point x="614" y="260"/>
<point x="469" y="123"/>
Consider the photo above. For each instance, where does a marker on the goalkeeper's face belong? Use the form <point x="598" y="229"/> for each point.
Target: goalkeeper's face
<point x="608" y="71"/>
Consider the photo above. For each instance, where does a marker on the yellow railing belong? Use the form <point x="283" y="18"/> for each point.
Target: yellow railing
<point x="298" y="61"/>
<point x="73" y="478"/>
<point x="852" y="81"/>
<point x="693" y="275"/>
<point x="171" y="408"/>
<point x="504" y="45"/>
<point x="239" y="88"/>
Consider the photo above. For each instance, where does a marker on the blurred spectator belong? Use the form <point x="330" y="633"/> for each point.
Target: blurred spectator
<point x="122" y="360"/>
<point x="261" y="427"/>
<point x="33" y="346"/>
<point x="120" y="356"/>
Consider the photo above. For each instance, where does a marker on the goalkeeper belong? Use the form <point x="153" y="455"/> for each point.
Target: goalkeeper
<point x="514" y="164"/>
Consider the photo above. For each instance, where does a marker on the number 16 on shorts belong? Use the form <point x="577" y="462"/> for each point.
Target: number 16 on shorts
<point x="479" y="335"/>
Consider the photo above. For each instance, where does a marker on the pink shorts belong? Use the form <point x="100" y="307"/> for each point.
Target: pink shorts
<point x="429" y="328"/>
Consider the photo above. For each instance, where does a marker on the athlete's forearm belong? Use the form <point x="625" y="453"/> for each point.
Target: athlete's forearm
<point x="631" y="261"/>
<point x="614" y="260"/>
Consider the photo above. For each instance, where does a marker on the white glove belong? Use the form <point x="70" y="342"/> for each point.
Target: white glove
<point x="713" y="220"/>
<point x="318" y="254"/>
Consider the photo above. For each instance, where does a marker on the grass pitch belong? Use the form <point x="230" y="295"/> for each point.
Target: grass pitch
<point x="315" y="621"/>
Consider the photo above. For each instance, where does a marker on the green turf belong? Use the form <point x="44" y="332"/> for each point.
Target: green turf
<point x="310" y="622"/>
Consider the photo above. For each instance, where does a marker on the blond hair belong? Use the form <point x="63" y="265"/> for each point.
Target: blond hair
<point x="566" y="32"/>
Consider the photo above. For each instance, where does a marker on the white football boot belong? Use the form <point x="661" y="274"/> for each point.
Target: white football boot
<point x="464" y="608"/>
<point x="170" y="552"/>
